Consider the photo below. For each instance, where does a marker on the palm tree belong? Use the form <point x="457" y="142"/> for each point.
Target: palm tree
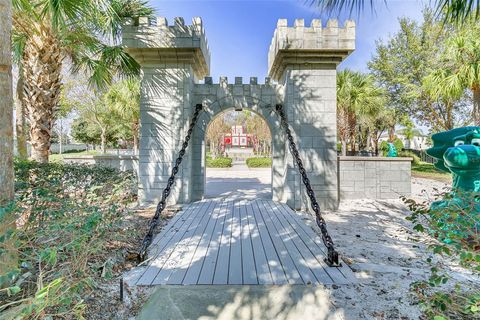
<point x="6" y="106"/>
<point x="357" y="98"/>
<point x="84" y="32"/>
<point x="461" y="71"/>
<point x="124" y="99"/>
<point x="454" y="10"/>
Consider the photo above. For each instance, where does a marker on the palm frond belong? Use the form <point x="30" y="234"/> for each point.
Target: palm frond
<point x="337" y="6"/>
<point x="452" y="10"/>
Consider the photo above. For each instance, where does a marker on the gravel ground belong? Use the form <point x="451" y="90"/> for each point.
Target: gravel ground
<point x="374" y="238"/>
<point x="379" y="244"/>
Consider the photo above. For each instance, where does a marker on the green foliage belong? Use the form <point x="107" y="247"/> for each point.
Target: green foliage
<point x="404" y="64"/>
<point x="87" y="31"/>
<point x="66" y="216"/>
<point x="360" y="108"/>
<point x="428" y="170"/>
<point x="456" y="230"/>
<point x="452" y="10"/>
<point x="219" y="162"/>
<point x="410" y="154"/>
<point x="397" y="143"/>
<point x="259" y="162"/>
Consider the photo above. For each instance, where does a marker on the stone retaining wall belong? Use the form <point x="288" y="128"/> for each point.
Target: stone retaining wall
<point x="373" y="177"/>
<point x="121" y="162"/>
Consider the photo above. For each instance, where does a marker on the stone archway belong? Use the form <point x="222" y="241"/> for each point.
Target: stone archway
<point x="240" y="102"/>
<point x="239" y="181"/>
<point x="302" y="63"/>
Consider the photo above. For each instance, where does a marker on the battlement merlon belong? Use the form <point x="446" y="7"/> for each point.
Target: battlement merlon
<point x="309" y="45"/>
<point x="153" y="41"/>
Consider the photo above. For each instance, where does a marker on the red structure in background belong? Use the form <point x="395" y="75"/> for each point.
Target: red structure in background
<point x="238" y="138"/>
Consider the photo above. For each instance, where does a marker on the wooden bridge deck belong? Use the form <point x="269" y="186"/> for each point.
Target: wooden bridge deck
<point x="238" y="242"/>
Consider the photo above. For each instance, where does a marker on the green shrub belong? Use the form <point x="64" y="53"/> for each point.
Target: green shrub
<point x="67" y="216"/>
<point x="416" y="160"/>
<point x="259" y="162"/>
<point x="220" y="162"/>
<point x="398" y="144"/>
<point x="454" y="223"/>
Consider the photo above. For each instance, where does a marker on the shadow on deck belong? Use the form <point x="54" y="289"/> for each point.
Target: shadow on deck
<point x="237" y="242"/>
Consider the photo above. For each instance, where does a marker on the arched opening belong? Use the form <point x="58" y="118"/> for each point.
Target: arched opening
<point x="238" y="156"/>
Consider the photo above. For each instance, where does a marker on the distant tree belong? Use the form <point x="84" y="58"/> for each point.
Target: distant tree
<point x="84" y="132"/>
<point x="258" y="128"/>
<point x="215" y="132"/>
<point x="357" y="98"/>
<point x="401" y="65"/>
<point x="101" y="114"/>
<point x="460" y="70"/>
<point x="124" y="99"/>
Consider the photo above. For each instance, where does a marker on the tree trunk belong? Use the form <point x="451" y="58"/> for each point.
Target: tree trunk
<point x="9" y="256"/>
<point x="20" y="123"/>
<point x="60" y="138"/>
<point x="103" y="137"/>
<point x="391" y="134"/>
<point x="344" y="147"/>
<point x="369" y="140"/>
<point x="135" y="129"/>
<point x="6" y="104"/>
<point x="476" y="106"/>
<point x="42" y="64"/>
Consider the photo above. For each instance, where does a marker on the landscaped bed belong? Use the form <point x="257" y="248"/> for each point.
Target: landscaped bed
<point x="219" y="162"/>
<point x="75" y="234"/>
<point x="259" y="162"/>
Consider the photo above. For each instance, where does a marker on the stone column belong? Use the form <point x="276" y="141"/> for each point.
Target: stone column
<point x="304" y="60"/>
<point x="172" y="59"/>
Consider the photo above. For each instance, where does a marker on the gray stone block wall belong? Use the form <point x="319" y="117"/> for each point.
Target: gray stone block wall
<point x="120" y="162"/>
<point x="225" y="95"/>
<point x="311" y="112"/>
<point x="374" y="178"/>
<point x="302" y="64"/>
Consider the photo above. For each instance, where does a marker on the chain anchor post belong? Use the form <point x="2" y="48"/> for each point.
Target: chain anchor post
<point x="147" y="240"/>
<point x="332" y="259"/>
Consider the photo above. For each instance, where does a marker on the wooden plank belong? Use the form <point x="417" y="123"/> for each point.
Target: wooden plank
<point x="208" y="268"/>
<point x="235" y="273"/>
<point x="184" y="257"/>
<point x="312" y="241"/>
<point x="263" y="271"/>
<point x="193" y="272"/>
<point x="344" y="270"/>
<point x="223" y="259"/>
<point x="167" y="243"/>
<point x="178" y="218"/>
<point x="289" y="267"/>
<point x="176" y="226"/>
<point x="166" y="260"/>
<point x="275" y="266"/>
<point x="305" y="257"/>
<point x="248" y="260"/>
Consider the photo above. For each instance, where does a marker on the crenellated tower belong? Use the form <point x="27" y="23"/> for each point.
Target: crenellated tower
<point x="302" y="64"/>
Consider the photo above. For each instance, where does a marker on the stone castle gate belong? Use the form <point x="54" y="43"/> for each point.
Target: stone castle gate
<point x="302" y="62"/>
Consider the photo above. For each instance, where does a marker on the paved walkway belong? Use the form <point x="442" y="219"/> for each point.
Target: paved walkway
<point x="287" y="302"/>
<point x="238" y="242"/>
<point x="239" y="182"/>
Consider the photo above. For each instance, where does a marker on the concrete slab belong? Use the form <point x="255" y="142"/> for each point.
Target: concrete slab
<point x="239" y="182"/>
<point x="289" y="302"/>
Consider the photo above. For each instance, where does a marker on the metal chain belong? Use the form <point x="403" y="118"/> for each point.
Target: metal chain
<point x="332" y="255"/>
<point x="142" y="252"/>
